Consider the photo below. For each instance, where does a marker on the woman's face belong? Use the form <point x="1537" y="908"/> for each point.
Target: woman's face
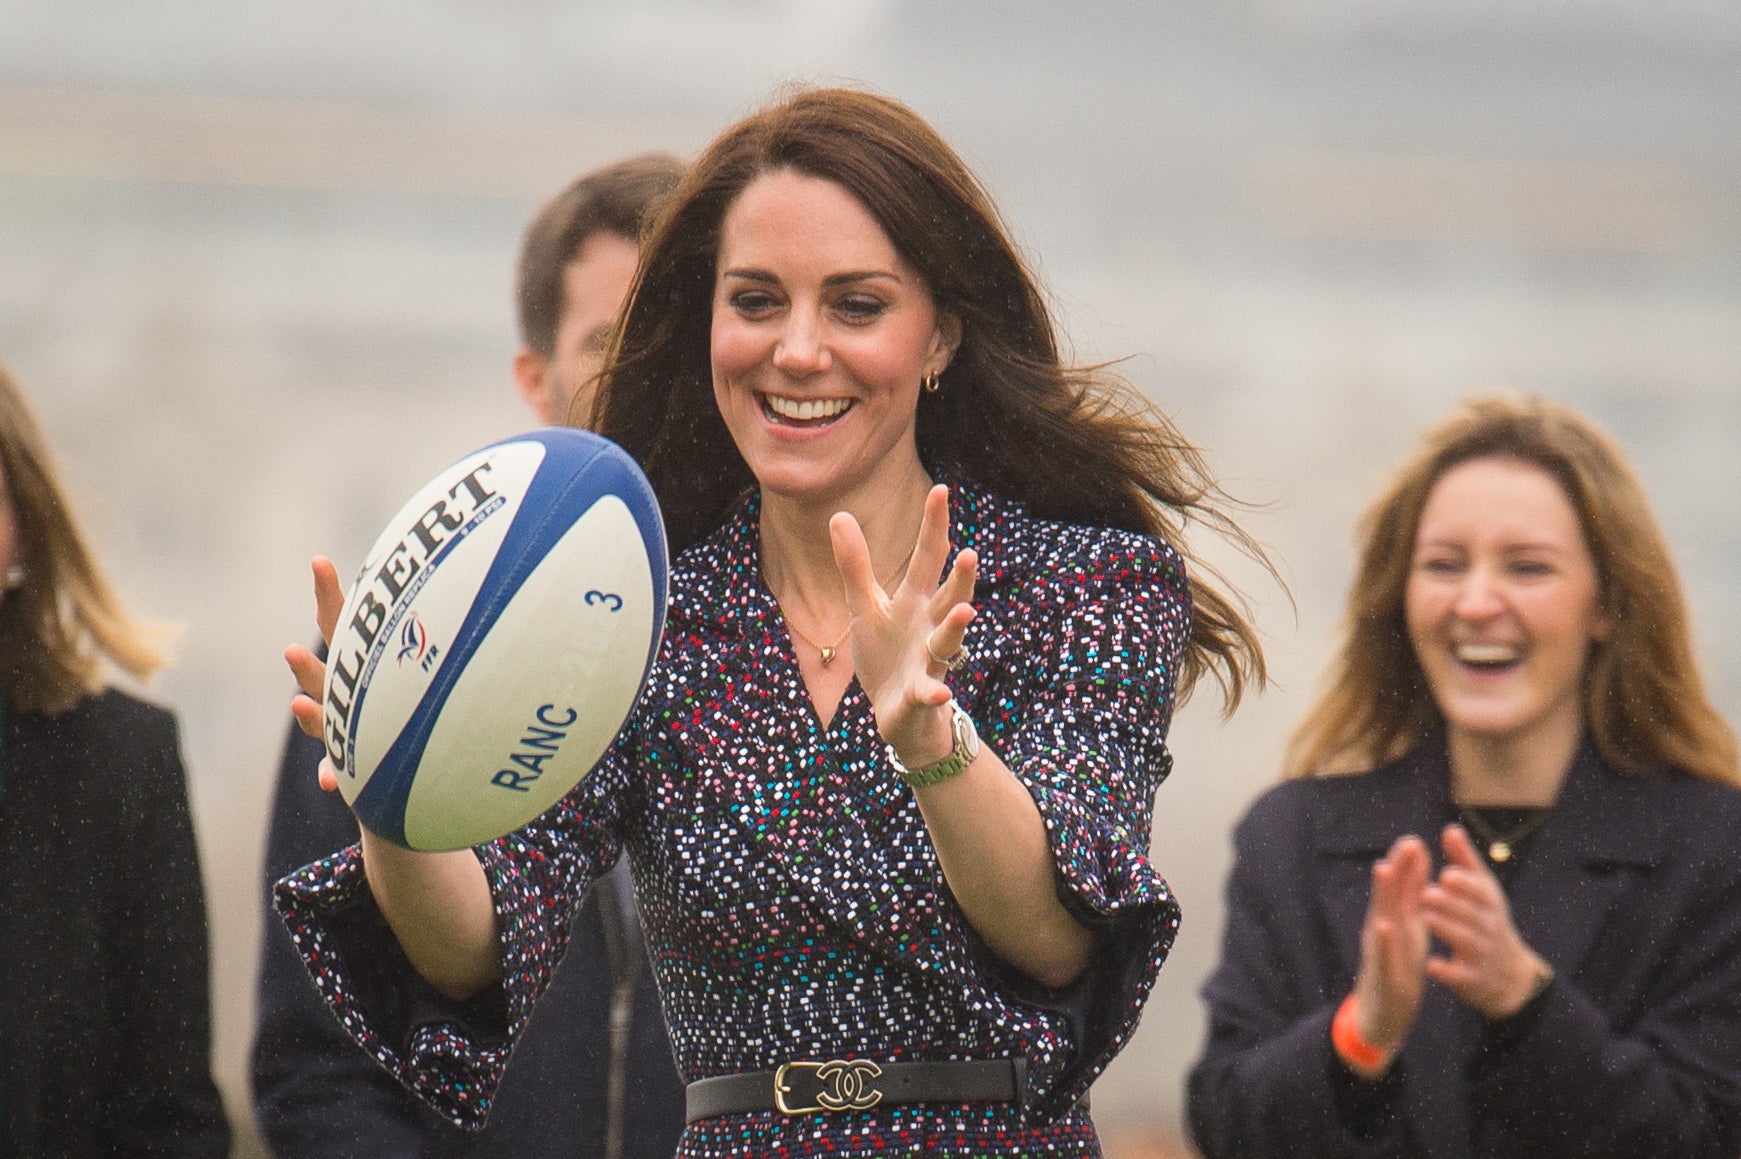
<point x="1502" y="601"/>
<point x="821" y="334"/>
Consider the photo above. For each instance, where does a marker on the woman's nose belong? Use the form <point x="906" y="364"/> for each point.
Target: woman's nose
<point x="801" y="349"/>
<point x="1478" y="597"/>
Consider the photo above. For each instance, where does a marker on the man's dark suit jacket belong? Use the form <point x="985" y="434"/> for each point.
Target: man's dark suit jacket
<point x="1631" y="888"/>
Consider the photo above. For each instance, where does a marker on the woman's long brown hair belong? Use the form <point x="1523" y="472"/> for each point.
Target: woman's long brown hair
<point x="1073" y="444"/>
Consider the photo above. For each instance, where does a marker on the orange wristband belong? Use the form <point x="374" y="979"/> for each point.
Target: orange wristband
<point x="1353" y="1049"/>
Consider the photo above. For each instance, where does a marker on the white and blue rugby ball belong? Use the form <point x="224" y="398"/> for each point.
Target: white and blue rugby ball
<point x="496" y="639"/>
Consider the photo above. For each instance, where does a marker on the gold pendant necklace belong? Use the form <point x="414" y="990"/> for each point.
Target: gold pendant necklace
<point x="829" y="651"/>
<point x="826" y="651"/>
<point x="1500" y="846"/>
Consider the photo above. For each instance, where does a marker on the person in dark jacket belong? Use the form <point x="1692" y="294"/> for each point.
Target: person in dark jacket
<point x="594" y="1076"/>
<point x="105" y="1022"/>
<point x="1512" y="929"/>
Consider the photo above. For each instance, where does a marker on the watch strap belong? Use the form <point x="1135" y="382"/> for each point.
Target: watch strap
<point x="960" y="756"/>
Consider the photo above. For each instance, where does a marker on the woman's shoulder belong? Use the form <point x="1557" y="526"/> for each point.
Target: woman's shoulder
<point x="1681" y="825"/>
<point x="1680" y="783"/>
<point x="111" y="749"/>
<point x="1015" y="544"/>
<point x="109" y="710"/>
<point x="1290" y="804"/>
<point x="1309" y="803"/>
<point x="710" y="572"/>
<point x="1697" y="809"/>
<point x="1687" y="801"/>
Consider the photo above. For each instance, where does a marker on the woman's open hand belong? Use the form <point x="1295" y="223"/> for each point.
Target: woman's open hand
<point x="1393" y="947"/>
<point x="990" y="839"/>
<point x="901" y="639"/>
<point x="309" y="669"/>
<point x="1489" y="968"/>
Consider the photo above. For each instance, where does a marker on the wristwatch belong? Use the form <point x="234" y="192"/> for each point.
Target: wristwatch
<point x="966" y="748"/>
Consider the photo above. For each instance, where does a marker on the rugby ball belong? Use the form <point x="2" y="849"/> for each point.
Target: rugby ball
<point x="495" y="639"/>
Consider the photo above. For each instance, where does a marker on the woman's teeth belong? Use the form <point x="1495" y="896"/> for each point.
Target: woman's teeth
<point x="807" y="410"/>
<point x="1488" y="654"/>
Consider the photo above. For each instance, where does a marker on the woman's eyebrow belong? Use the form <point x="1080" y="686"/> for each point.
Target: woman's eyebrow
<point x="751" y="274"/>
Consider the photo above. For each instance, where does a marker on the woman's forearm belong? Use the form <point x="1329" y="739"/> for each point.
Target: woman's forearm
<point x="991" y="842"/>
<point x="439" y="907"/>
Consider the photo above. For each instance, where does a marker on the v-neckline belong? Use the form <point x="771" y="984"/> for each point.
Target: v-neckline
<point x="770" y="612"/>
<point x="822" y="725"/>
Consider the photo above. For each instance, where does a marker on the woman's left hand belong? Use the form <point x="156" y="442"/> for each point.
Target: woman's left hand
<point x="900" y="638"/>
<point x="990" y="839"/>
<point x="1490" y="967"/>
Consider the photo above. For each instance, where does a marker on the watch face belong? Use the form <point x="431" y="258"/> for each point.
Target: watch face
<point x="966" y="737"/>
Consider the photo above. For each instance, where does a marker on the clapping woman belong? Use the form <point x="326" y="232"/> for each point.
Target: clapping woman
<point x="1495" y="911"/>
<point x="887" y="796"/>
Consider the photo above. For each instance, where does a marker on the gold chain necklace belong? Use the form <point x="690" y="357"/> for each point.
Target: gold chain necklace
<point x="1500" y="846"/>
<point x="829" y="651"/>
<point x="826" y="651"/>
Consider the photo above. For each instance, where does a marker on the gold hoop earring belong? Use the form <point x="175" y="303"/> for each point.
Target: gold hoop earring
<point x="932" y="383"/>
<point x="15" y="577"/>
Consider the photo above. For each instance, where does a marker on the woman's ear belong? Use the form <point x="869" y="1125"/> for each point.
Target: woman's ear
<point x="532" y="376"/>
<point x="945" y="341"/>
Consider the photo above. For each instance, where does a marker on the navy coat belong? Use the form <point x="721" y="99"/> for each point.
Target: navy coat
<point x="105" y="1026"/>
<point x="1631" y="888"/>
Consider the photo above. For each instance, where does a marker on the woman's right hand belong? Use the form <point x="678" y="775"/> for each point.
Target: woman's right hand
<point x="1393" y="947"/>
<point x="438" y="904"/>
<point x="309" y="669"/>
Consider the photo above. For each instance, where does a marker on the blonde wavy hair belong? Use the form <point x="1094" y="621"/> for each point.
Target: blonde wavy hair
<point x="60" y="624"/>
<point x="1644" y="700"/>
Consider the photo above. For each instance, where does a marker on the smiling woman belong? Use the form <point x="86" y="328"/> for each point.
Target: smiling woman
<point x="888" y="792"/>
<point x="1503" y="606"/>
<point x="821" y="336"/>
<point x="1519" y="684"/>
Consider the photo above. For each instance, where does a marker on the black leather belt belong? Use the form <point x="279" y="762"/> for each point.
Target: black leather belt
<point x="802" y="1088"/>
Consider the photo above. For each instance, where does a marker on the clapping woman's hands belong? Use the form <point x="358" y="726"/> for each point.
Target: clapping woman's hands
<point x="309" y="669"/>
<point x="900" y="639"/>
<point x="1393" y="947"/>
<point x="1489" y="968"/>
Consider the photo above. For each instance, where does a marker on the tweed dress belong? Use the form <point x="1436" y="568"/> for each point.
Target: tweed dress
<point x="791" y="897"/>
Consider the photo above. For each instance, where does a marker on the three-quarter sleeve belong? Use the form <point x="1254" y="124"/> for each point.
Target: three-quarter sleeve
<point x="452" y="1053"/>
<point x="1080" y="715"/>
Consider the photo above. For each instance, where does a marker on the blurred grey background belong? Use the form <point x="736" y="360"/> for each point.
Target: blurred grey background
<point x="255" y="267"/>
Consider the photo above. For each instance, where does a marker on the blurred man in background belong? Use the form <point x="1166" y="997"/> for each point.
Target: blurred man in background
<point x="593" y="1074"/>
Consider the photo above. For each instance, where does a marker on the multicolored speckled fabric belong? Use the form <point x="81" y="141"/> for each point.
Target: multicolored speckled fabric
<point x="792" y="900"/>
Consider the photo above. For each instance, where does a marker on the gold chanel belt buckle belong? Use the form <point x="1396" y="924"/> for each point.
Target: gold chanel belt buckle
<point x="845" y="1085"/>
